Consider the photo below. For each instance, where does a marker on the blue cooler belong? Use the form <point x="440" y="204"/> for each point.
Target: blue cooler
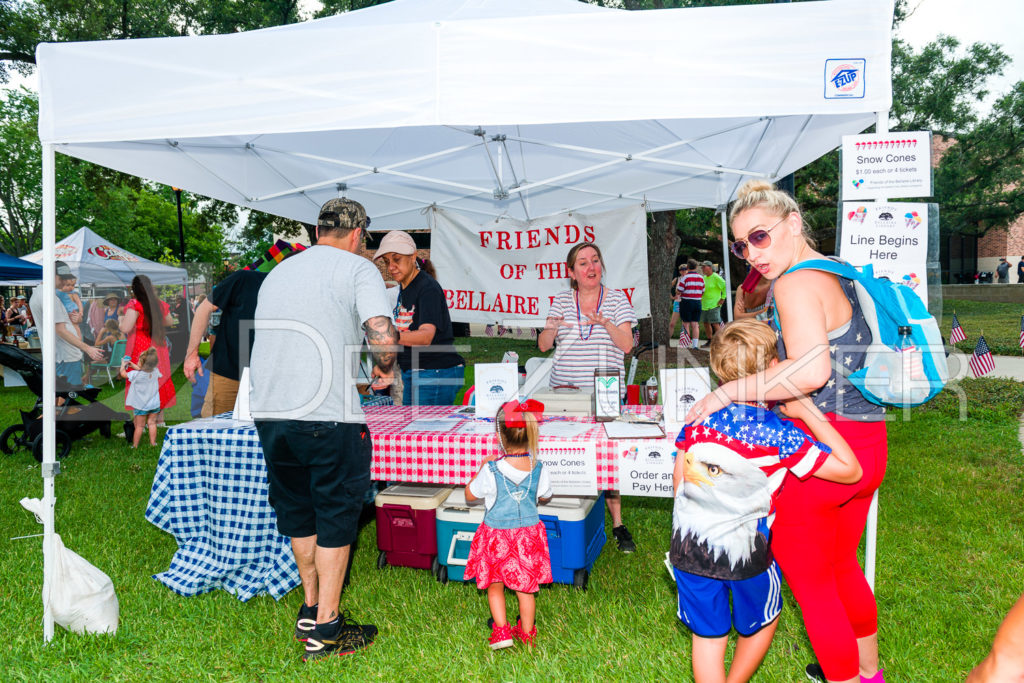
<point x="457" y="522"/>
<point x="575" y="528"/>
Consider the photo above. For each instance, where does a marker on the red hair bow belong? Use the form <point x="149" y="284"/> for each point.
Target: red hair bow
<point x="514" y="411"/>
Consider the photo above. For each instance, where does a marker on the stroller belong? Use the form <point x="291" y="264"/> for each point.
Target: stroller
<point x="75" y="419"/>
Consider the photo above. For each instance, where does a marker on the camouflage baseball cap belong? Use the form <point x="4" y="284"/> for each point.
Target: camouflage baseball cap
<point x="342" y="214"/>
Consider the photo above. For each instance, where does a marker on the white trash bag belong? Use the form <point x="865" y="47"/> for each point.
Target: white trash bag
<point x="81" y="596"/>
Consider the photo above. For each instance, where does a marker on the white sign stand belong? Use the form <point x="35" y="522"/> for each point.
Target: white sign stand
<point x="645" y="467"/>
<point x="680" y="389"/>
<point x="496" y="384"/>
<point x="571" y="466"/>
<point x="241" y="410"/>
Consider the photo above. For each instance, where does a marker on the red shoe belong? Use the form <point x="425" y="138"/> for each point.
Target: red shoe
<point x="501" y="637"/>
<point x="522" y="636"/>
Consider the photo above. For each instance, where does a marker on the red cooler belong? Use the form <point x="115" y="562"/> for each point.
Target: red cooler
<point x="406" y="525"/>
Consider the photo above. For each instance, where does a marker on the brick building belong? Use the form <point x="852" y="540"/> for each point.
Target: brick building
<point x="963" y="255"/>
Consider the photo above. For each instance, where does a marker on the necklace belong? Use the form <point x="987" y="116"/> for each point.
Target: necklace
<point x="579" y="319"/>
<point x="519" y="493"/>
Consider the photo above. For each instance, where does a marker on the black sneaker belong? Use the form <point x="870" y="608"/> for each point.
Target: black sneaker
<point x="624" y="539"/>
<point x="349" y="638"/>
<point x="814" y="673"/>
<point x="305" y="622"/>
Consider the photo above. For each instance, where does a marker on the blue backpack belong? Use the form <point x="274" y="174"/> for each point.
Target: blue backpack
<point x="887" y="306"/>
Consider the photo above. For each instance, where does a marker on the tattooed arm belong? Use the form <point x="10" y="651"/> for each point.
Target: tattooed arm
<point x="383" y="339"/>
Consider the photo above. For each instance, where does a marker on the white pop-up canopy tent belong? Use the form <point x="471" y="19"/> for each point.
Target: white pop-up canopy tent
<point x="95" y="260"/>
<point x="487" y="107"/>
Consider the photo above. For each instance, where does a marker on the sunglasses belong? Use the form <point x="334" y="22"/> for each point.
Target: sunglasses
<point x="760" y="238"/>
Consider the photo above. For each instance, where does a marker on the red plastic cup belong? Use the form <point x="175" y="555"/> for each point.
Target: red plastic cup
<point x="632" y="394"/>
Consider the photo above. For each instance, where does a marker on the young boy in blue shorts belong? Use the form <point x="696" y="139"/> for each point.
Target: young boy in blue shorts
<point x="729" y="468"/>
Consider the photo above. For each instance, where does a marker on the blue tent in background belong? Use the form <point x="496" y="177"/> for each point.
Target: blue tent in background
<point x="17" y="270"/>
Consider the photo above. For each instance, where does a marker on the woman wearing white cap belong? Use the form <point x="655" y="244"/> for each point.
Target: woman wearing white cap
<point x="431" y="377"/>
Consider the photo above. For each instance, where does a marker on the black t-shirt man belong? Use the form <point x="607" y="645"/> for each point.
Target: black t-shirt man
<point x="424" y="301"/>
<point x="236" y="298"/>
<point x="1020" y="271"/>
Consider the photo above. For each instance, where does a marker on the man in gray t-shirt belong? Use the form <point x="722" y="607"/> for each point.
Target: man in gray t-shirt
<point x="69" y="345"/>
<point x="312" y="314"/>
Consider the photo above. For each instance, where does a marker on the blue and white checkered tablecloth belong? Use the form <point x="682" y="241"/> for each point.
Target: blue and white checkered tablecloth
<point x="210" y="493"/>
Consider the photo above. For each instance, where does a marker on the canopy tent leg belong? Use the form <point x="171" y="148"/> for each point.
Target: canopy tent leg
<point x="871" y="530"/>
<point x="49" y="398"/>
<point x="725" y="265"/>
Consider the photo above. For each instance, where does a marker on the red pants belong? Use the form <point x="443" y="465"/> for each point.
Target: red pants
<point x="817" y="531"/>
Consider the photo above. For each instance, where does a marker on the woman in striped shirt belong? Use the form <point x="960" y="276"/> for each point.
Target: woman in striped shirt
<point x="590" y="326"/>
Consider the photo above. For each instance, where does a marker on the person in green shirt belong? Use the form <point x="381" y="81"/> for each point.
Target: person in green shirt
<point x="712" y="299"/>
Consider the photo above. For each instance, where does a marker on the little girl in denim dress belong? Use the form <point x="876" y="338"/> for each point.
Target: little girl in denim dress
<point x="510" y="549"/>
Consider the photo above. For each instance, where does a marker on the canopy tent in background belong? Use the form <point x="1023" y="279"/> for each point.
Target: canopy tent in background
<point x="18" y="271"/>
<point x="519" y="108"/>
<point x="95" y="261"/>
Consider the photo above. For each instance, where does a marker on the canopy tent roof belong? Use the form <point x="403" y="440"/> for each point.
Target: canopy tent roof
<point x="487" y="107"/>
<point x="14" y="270"/>
<point x="94" y="260"/>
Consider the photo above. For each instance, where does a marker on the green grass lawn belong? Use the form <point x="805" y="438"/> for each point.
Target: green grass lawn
<point x="949" y="567"/>
<point x="999" y="322"/>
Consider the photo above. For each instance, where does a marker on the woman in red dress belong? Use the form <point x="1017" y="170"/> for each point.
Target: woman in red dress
<point x="145" y="320"/>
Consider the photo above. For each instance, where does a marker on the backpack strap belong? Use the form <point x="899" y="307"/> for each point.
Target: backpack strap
<point x="836" y="267"/>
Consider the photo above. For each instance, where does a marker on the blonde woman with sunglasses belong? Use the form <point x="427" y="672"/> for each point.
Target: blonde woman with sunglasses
<point x="819" y="524"/>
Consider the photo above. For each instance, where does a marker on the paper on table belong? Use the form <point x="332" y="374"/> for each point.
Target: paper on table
<point x="568" y="430"/>
<point x="474" y="428"/>
<point x="429" y="425"/>
<point x="632" y="430"/>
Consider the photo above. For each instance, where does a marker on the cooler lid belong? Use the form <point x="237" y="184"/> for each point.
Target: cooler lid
<point x="568" y="508"/>
<point x="416" y="496"/>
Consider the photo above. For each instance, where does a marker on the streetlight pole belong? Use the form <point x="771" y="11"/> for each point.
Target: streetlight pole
<point x="181" y="230"/>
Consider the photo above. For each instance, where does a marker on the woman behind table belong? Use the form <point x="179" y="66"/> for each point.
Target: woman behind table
<point x="145" y="322"/>
<point x="818" y="524"/>
<point x="592" y="327"/>
<point x="430" y="378"/>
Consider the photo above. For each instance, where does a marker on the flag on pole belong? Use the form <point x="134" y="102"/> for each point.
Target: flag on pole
<point x="1022" y="332"/>
<point x="981" y="360"/>
<point x="685" y="341"/>
<point x="957" y="335"/>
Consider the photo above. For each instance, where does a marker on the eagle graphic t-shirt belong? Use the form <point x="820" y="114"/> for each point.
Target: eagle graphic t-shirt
<point x="736" y="462"/>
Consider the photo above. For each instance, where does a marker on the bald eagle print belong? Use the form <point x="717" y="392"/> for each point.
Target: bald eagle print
<point x="734" y="464"/>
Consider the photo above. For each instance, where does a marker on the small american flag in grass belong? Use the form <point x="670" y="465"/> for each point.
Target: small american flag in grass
<point x="981" y="360"/>
<point x="957" y="335"/>
<point x="1022" y="332"/>
<point x="684" y="337"/>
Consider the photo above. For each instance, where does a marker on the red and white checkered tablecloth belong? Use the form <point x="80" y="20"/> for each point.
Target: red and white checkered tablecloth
<point x="453" y="459"/>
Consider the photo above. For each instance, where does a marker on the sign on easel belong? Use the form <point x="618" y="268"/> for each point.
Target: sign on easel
<point x="241" y="410"/>
<point x="680" y="389"/>
<point x="892" y="237"/>
<point x="645" y="466"/>
<point x="887" y="165"/>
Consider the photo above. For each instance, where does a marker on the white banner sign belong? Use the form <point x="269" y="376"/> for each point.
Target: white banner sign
<point x="571" y="466"/>
<point x="888" y="165"/>
<point x="645" y="467"/>
<point x="891" y="237"/>
<point x="510" y="270"/>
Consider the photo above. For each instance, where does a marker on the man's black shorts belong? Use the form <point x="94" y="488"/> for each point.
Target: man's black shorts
<point x="689" y="310"/>
<point x="318" y="474"/>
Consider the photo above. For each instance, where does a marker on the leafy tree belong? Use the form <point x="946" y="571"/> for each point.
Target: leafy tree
<point x="130" y="212"/>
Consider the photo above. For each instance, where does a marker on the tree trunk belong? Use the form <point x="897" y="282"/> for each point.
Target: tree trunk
<point x="662" y="249"/>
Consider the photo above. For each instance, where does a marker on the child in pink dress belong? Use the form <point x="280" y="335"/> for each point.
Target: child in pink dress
<point x="511" y="546"/>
